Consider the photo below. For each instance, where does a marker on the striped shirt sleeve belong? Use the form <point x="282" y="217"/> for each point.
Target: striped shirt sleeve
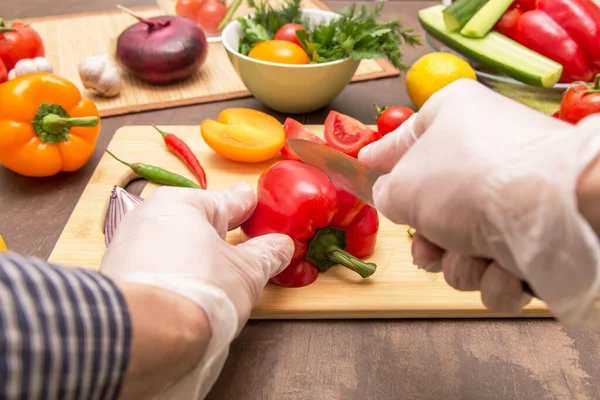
<point x="65" y="333"/>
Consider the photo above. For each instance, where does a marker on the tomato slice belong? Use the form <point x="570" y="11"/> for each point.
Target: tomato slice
<point x="295" y="130"/>
<point x="347" y="134"/>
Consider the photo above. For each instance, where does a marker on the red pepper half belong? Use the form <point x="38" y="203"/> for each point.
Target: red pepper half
<point x="295" y="130"/>
<point x="537" y="31"/>
<point x="581" y="20"/>
<point x="329" y="226"/>
<point x="507" y="24"/>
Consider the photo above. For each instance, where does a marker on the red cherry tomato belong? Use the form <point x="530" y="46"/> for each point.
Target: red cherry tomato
<point x="389" y="119"/>
<point x="348" y="135"/>
<point x="506" y="25"/>
<point x="294" y="129"/>
<point x="22" y="42"/>
<point x="288" y="33"/>
<point x="578" y="104"/>
<point x="206" y="13"/>
<point x="3" y="72"/>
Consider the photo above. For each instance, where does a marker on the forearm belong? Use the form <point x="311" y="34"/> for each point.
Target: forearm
<point x="588" y="195"/>
<point x="170" y="335"/>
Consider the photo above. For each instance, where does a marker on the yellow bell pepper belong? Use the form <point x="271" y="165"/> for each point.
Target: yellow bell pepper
<point x="243" y="134"/>
<point x="2" y="245"/>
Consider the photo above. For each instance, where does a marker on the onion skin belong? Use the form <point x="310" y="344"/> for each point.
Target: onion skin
<point x="162" y="50"/>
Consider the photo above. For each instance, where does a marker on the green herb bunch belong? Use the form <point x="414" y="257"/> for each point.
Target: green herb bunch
<point x="356" y="33"/>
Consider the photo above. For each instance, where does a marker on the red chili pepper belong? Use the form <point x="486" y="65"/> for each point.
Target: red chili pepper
<point x="328" y="226"/>
<point x="537" y="31"/>
<point x="183" y="151"/>
<point x="581" y="20"/>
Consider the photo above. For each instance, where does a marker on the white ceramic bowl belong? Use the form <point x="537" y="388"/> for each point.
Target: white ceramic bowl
<point x="290" y="88"/>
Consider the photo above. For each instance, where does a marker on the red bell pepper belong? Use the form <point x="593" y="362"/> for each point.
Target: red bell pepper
<point x="581" y="20"/>
<point x="537" y="31"/>
<point x="508" y="22"/>
<point x="329" y="226"/>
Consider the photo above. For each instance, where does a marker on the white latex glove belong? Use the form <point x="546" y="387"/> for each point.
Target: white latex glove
<point x="491" y="179"/>
<point x="175" y="239"/>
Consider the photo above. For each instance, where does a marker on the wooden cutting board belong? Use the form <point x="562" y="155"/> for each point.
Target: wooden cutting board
<point x="397" y="290"/>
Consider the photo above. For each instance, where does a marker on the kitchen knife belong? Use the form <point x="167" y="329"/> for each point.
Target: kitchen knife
<point x="346" y="172"/>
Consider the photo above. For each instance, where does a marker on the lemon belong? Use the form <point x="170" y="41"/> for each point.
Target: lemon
<point x="432" y="72"/>
<point x="2" y="245"/>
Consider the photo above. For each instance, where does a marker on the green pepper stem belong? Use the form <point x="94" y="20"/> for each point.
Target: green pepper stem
<point x="55" y="124"/>
<point x="344" y="258"/>
<point x="163" y="133"/>
<point x="118" y="159"/>
<point x="234" y="6"/>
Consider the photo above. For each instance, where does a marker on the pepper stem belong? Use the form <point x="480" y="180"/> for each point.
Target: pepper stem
<point x="326" y="249"/>
<point x="55" y="124"/>
<point x="151" y="24"/>
<point x="163" y="133"/>
<point x="118" y="159"/>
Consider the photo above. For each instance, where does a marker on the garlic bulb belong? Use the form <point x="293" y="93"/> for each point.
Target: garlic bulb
<point x="30" y="65"/>
<point x="99" y="73"/>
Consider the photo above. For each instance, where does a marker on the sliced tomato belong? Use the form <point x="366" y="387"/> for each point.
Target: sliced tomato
<point x="294" y="129"/>
<point x="347" y="134"/>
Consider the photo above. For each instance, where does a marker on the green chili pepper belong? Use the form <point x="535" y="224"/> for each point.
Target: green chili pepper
<point x="157" y="175"/>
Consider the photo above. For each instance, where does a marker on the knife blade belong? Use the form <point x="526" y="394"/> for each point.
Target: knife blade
<point x="344" y="171"/>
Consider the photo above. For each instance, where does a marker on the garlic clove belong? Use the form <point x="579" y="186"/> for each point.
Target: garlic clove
<point x="30" y="65"/>
<point x="100" y="74"/>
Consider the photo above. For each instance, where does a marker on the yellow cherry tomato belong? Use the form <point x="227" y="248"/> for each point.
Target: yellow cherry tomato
<point x="279" y="51"/>
<point x="242" y="134"/>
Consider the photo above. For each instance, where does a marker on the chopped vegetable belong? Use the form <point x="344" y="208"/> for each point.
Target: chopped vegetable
<point x="288" y="33"/>
<point x="29" y="65"/>
<point x="48" y="127"/>
<point x="539" y="32"/>
<point x="580" y="101"/>
<point x="494" y="51"/>
<point x="100" y="74"/>
<point x="348" y="135"/>
<point x="185" y="154"/>
<point x="17" y="42"/>
<point x="245" y="135"/>
<point x="390" y="118"/>
<point x="157" y="175"/>
<point x="161" y="50"/>
<point x="457" y="14"/>
<point x="484" y="20"/>
<point x="294" y="129"/>
<point x="355" y="34"/>
<point x="120" y="203"/>
<point x="279" y="51"/>
<point x="328" y="226"/>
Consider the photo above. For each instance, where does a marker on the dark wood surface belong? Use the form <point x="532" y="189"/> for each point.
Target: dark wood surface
<point x="396" y="359"/>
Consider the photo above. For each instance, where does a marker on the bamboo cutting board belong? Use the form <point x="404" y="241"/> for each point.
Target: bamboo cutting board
<point x="397" y="290"/>
<point x="216" y="80"/>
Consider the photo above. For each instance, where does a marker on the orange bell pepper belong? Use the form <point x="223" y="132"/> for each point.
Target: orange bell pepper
<point x="45" y="125"/>
<point x="243" y="134"/>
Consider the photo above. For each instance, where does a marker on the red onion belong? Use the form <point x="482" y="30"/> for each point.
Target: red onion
<point x="121" y="202"/>
<point x="162" y="49"/>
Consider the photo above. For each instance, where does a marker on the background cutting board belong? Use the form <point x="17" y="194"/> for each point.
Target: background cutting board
<point x="397" y="290"/>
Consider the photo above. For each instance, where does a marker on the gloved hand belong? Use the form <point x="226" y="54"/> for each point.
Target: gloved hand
<point x="490" y="186"/>
<point x="175" y="240"/>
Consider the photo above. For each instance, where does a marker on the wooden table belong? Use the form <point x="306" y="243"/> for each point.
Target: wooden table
<point x="305" y="360"/>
